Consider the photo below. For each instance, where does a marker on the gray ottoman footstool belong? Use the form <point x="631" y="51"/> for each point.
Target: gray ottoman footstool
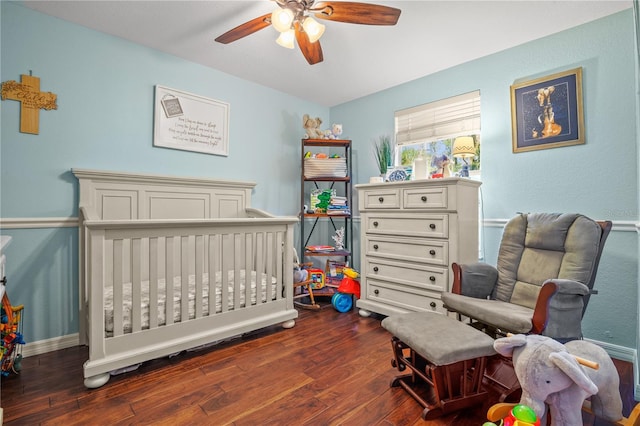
<point x="443" y="354"/>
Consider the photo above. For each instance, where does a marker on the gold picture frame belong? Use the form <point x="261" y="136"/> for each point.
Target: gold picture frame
<point x="547" y="112"/>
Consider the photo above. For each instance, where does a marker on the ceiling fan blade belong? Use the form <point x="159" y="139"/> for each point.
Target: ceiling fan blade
<point x="356" y="13"/>
<point x="245" y="29"/>
<point x="311" y="51"/>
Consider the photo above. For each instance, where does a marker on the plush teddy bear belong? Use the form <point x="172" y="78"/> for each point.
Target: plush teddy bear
<point x="334" y="132"/>
<point x="552" y="374"/>
<point x="312" y="127"/>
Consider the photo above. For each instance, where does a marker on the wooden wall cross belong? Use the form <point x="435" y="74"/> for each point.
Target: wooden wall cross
<point x="31" y="99"/>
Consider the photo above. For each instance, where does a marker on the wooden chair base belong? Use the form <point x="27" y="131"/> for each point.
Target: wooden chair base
<point x="440" y="389"/>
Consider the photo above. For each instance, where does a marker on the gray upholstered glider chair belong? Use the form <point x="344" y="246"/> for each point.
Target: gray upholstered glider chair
<point x="545" y="272"/>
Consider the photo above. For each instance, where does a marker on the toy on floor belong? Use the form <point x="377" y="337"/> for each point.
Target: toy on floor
<point x="512" y="415"/>
<point x="11" y="339"/>
<point x="342" y="301"/>
<point x="562" y="377"/>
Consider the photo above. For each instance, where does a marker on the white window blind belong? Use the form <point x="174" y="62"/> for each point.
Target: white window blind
<point x="443" y="119"/>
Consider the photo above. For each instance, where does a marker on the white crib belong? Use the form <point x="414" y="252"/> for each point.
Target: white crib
<point x="168" y="264"/>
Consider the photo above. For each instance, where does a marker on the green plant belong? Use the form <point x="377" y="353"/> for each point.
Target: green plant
<point x="383" y="153"/>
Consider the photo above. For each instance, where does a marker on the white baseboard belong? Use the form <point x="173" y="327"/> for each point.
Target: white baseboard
<point x="50" y="345"/>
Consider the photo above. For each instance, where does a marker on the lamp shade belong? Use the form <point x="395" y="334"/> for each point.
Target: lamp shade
<point x="286" y="39"/>
<point x="464" y="147"/>
<point x="313" y="28"/>
<point x="281" y="19"/>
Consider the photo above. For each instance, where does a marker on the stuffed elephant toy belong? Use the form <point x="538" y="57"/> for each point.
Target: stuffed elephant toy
<point x="550" y="374"/>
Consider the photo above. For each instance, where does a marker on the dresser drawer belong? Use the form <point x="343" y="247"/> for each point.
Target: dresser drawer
<point x="425" y="198"/>
<point x="415" y="277"/>
<point x="381" y="292"/>
<point x="434" y="252"/>
<point x="381" y="199"/>
<point x="425" y="225"/>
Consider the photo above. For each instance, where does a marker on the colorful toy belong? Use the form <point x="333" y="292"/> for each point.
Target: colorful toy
<point x="317" y="278"/>
<point x="11" y="339"/>
<point x="342" y="301"/>
<point x="518" y="415"/>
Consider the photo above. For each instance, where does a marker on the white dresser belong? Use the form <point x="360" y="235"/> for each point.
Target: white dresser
<point x="410" y="233"/>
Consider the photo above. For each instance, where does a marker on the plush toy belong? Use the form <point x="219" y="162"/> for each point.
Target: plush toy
<point x="312" y="127"/>
<point x="334" y="132"/>
<point x="553" y="374"/>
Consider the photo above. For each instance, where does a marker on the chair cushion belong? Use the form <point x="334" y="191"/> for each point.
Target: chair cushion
<point x="438" y="338"/>
<point x="541" y="246"/>
<point x="506" y="316"/>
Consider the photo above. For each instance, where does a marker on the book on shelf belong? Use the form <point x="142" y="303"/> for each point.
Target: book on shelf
<point x="320" y="249"/>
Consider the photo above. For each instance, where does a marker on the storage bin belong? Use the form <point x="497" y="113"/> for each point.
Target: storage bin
<point x="325" y="167"/>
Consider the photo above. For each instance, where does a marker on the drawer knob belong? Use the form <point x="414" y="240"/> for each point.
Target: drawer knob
<point x="423" y="198"/>
<point x="375" y="247"/>
<point x="375" y="223"/>
<point x="432" y="252"/>
<point x="375" y="269"/>
<point x="376" y="292"/>
<point x="432" y="225"/>
<point x="432" y="279"/>
<point x="381" y="199"/>
<point x="432" y="304"/>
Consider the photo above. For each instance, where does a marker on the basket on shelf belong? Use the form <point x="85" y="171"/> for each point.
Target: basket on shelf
<point x="325" y="167"/>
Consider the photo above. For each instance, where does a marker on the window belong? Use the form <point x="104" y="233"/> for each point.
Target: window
<point x="430" y="130"/>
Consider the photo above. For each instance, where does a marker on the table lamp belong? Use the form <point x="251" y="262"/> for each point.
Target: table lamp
<point x="463" y="147"/>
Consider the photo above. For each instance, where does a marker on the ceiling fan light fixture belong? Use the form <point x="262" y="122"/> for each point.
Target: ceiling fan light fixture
<point x="286" y="39"/>
<point x="281" y="19"/>
<point x="313" y="29"/>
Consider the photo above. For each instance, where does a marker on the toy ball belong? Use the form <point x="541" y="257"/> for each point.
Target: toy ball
<point x="521" y="415"/>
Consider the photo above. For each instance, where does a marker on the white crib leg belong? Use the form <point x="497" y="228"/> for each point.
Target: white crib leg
<point x="97" y="380"/>
<point x="288" y="324"/>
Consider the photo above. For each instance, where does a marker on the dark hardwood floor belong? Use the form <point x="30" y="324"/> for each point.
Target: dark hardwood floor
<point x="331" y="368"/>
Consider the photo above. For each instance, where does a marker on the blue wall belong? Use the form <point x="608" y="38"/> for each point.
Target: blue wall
<point x="104" y="120"/>
<point x="599" y="179"/>
<point x="105" y="87"/>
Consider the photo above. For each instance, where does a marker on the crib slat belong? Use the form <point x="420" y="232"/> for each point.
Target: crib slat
<point x="136" y="284"/>
<point x="184" y="279"/>
<point x="237" y="253"/>
<point x="271" y="249"/>
<point x="153" y="282"/>
<point x="213" y="261"/>
<point x="199" y="256"/>
<point x="279" y="266"/>
<point x="225" y="254"/>
<point x="117" y="287"/>
<point x="248" y="267"/>
<point x="168" y="280"/>
<point x="260" y="253"/>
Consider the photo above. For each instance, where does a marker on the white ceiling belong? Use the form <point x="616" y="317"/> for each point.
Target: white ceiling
<point x="358" y="59"/>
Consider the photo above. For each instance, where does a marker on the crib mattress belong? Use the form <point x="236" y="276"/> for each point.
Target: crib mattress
<point x="160" y="304"/>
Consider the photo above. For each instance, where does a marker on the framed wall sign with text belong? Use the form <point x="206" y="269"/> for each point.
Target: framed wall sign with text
<point x="547" y="112"/>
<point x="190" y="122"/>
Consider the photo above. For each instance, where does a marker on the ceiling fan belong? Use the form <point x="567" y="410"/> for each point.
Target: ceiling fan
<point x="293" y="20"/>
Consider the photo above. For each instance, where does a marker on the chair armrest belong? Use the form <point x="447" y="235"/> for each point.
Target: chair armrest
<point x="570" y="287"/>
<point x="558" y="311"/>
<point x="474" y="279"/>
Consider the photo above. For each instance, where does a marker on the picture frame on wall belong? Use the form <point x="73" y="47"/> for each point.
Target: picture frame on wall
<point x="547" y="112"/>
<point x="190" y="122"/>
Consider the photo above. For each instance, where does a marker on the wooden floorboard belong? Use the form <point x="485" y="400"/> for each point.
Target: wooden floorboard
<point x="332" y="368"/>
